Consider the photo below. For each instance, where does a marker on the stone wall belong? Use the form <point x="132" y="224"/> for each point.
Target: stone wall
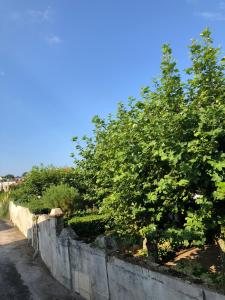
<point x="92" y="273"/>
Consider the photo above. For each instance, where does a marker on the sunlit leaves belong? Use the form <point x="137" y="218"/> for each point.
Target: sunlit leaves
<point x="145" y="166"/>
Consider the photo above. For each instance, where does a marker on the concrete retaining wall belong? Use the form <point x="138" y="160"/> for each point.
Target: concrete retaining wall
<point x="22" y="218"/>
<point x="92" y="273"/>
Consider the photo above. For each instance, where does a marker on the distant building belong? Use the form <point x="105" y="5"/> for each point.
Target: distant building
<point x="5" y="185"/>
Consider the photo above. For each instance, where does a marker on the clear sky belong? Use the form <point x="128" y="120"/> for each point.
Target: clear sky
<point x="64" y="61"/>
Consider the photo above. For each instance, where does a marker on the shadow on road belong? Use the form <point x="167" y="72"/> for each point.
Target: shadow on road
<point x="11" y="283"/>
<point x="21" y="276"/>
<point x="4" y="225"/>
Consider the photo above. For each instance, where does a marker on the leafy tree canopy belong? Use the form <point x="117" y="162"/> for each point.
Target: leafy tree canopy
<point x="157" y="167"/>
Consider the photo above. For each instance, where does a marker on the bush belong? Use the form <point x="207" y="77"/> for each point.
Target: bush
<point x="63" y="196"/>
<point x="37" y="206"/>
<point x="90" y="225"/>
<point x="40" y="178"/>
<point x="20" y="195"/>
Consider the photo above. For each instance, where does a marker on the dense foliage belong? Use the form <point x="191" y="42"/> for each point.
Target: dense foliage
<point x="88" y="225"/>
<point x="46" y="187"/>
<point x="157" y="168"/>
<point x="63" y="196"/>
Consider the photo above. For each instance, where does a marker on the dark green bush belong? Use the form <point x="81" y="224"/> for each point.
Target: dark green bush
<point x="88" y="226"/>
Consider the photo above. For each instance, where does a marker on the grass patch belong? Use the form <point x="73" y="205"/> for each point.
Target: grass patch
<point x="4" y="204"/>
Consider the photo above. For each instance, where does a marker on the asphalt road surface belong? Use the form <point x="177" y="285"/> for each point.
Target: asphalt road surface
<point x="21" y="276"/>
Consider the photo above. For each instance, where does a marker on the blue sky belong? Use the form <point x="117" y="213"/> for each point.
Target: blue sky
<point x="62" y="62"/>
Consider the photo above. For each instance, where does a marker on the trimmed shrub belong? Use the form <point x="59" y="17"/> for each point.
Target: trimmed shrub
<point x="88" y="226"/>
<point x="37" y="206"/>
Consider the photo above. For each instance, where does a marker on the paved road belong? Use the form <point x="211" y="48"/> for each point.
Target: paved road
<point x="21" y="276"/>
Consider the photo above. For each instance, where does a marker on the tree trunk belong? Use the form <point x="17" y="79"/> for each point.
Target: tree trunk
<point x="152" y="249"/>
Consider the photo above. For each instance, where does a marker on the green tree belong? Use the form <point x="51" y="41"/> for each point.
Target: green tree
<point x="9" y="177"/>
<point x="157" y="168"/>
